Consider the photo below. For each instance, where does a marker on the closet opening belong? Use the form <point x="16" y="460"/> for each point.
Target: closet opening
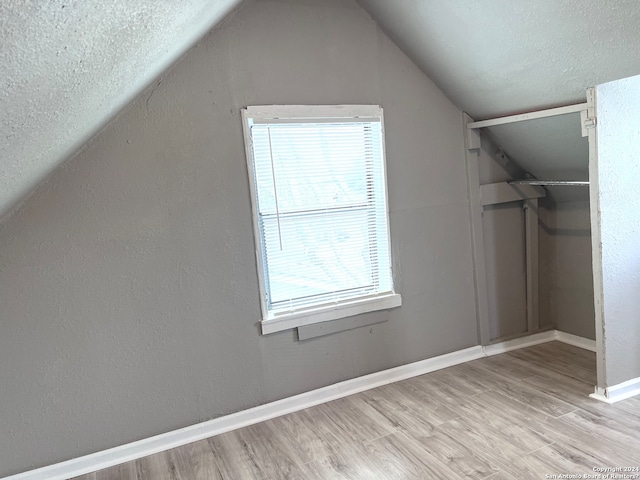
<point x="532" y="227"/>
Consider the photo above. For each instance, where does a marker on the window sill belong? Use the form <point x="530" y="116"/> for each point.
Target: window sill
<point x="286" y="321"/>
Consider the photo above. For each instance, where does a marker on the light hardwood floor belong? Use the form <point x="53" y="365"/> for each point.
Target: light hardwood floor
<point x="519" y="415"/>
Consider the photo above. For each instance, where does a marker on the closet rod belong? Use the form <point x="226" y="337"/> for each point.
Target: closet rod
<point x="550" y="183"/>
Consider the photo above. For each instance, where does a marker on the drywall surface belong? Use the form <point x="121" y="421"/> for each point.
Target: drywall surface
<point x="504" y="245"/>
<point x="128" y="281"/>
<point x="68" y="66"/>
<point x="494" y="165"/>
<point x="545" y="281"/>
<point x="565" y="279"/>
<point x="566" y="256"/>
<point x="617" y="201"/>
<point x="550" y="148"/>
<point x="499" y="58"/>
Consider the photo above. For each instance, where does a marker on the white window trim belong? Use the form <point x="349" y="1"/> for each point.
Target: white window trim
<point x="305" y="316"/>
<point x="331" y="312"/>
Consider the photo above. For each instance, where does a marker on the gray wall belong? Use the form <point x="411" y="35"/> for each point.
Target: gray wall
<point x="565" y="256"/>
<point x="616" y="226"/>
<point x="128" y="281"/>
<point x="504" y="248"/>
<point x="545" y="280"/>
<point x="505" y="261"/>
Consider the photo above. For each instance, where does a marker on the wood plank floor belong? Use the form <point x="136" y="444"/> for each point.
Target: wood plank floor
<point x="519" y="415"/>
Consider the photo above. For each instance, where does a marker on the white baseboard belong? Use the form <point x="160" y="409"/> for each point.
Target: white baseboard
<point x="622" y="391"/>
<point x="576" y="341"/>
<point x="183" y="436"/>
<point x="521" y="342"/>
<point x="600" y="395"/>
<point x="159" y="443"/>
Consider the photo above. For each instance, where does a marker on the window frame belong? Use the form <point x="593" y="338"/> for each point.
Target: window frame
<point x="271" y="322"/>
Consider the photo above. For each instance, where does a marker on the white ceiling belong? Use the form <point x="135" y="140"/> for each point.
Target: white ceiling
<point x="499" y="57"/>
<point x="68" y="66"/>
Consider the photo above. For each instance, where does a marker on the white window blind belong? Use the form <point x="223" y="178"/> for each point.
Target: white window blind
<point x="321" y="211"/>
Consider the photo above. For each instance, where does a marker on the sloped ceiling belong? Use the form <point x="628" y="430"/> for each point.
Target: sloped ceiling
<point x="500" y="57"/>
<point x="68" y="66"/>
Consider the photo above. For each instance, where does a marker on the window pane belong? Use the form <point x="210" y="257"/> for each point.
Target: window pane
<point x="312" y="166"/>
<point x="321" y="208"/>
<point x="320" y="254"/>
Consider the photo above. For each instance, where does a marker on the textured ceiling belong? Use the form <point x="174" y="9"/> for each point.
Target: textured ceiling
<point x="499" y="57"/>
<point x="67" y="66"/>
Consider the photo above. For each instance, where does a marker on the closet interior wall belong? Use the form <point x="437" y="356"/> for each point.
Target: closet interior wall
<point x="566" y="275"/>
<point x="504" y="249"/>
<point x="565" y="282"/>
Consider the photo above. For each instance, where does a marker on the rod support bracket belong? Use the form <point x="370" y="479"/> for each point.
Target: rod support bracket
<point x="587" y="122"/>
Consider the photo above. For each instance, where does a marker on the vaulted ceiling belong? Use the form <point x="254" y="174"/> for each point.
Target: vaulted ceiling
<point x="68" y="66"/>
<point x="500" y="57"/>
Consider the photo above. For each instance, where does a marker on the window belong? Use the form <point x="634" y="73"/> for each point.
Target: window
<point x="318" y="188"/>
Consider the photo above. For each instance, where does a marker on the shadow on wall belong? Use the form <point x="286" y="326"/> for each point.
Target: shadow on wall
<point x="565" y="232"/>
<point x="565" y="218"/>
<point x="565" y="263"/>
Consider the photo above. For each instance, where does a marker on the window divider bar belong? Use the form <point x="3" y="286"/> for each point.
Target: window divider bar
<point x="320" y="211"/>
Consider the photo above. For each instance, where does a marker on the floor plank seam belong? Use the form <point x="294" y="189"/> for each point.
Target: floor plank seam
<point x="506" y="394"/>
<point x="559" y="417"/>
<point x="494" y="474"/>
<point x="540" y="448"/>
<point x="397" y="430"/>
<point x="612" y="443"/>
<point x="480" y="393"/>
